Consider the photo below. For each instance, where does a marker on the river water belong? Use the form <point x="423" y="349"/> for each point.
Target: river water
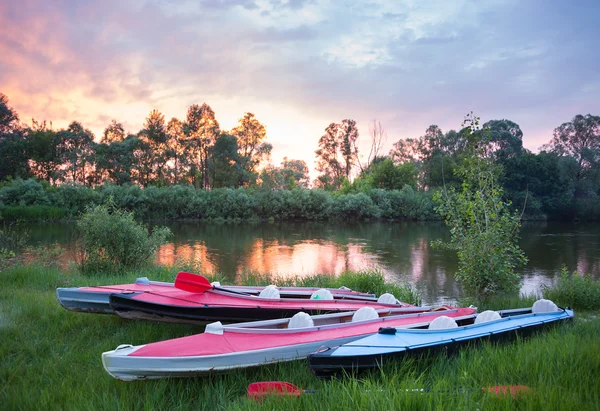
<point x="401" y="250"/>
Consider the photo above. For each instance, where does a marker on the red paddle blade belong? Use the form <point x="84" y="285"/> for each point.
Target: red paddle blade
<point x="505" y="390"/>
<point x="193" y="283"/>
<point x="258" y="390"/>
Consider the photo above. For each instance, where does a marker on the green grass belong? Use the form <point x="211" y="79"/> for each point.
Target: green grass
<point x="50" y="359"/>
<point x="33" y="213"/>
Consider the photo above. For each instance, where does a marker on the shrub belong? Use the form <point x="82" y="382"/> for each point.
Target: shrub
<point x="12" y="240"/>
<point x="112" y="240"/>
<point x="574" y="290"/>
<point x="355" y="207"/>
<point x="484" y="231"/>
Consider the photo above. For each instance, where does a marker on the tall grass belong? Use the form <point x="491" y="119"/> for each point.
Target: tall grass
<point x="578" y="291"/>
<point x="50" y="359"/>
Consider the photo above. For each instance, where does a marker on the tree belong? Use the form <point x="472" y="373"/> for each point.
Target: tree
<point x="378" y="138"/>
<point x="337" y="153"/>
<point x="115" y="161"/>
<point x="13" y="146"/>
<point x="250" y="135"/>
<point x="154" y="139"/>
<point x="75" y="151"/>
<point x="114" y="132"/>
<point x="226" y="165"/>
<point x="291" y="174"/>
<point x="202" y="130"/>
<point x="580" y="139"/>
<point x="387" y="176"/>
<point x="405" y="150"/>
<point x="176" y="146"/>
<point x="506" y="139"/>
<point x="484" y="231"/>
<point x="43" y="151"/>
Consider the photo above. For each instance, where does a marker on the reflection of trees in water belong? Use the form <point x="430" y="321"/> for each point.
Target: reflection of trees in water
<point x="400" y="249"/>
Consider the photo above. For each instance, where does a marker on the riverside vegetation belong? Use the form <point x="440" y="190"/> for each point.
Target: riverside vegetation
<point x="50" y="357"/>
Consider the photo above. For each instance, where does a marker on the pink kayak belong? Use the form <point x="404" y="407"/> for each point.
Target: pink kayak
<point x="217" y="305"/>
<point x="225" y="347"/>
<point x="95" y="299"/>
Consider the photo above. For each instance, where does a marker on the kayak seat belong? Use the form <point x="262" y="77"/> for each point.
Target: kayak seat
<point x="321" y="294"/>
<point x="270" y="291"/>
<point x="301" y="320"/>
<point x="443" y="323"/>
<point x="387" y="298"/>
<point x="486" y="316"/>
<point x="365" y="313"/>
<point x="544" y="306"/>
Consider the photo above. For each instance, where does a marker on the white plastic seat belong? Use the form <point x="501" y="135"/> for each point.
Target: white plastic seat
<point x="486" y="316"/>
<point x="443" y="323"/>
<point x="301" y="320"/>
<point x="322" y="294"/>
<point x="387" y="298"/>
<point x="365" y="313"/>
<point x="544" y="306"/>
<point x="270" y="291"/>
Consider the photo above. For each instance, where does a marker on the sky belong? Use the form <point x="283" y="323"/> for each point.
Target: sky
<point x="299" y="65"/>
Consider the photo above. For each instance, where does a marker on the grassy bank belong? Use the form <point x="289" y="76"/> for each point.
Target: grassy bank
<point x="50" y="359"/>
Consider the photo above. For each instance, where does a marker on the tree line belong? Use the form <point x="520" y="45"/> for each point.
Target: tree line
<point x="195" y="151"/>
<point x="562" y="181"/>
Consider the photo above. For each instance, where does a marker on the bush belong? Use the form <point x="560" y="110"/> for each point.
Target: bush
<point x="580" y="292"/>
<point x="12" y="241"/>
<point x="112" y="240"/>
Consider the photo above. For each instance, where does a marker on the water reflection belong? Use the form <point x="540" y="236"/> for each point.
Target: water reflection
<point x="401" y="251"/>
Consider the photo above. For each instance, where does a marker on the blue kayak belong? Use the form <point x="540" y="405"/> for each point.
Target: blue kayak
<point x="390" y="343"/>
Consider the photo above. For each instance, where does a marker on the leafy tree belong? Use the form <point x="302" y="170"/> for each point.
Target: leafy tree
<point x="295" y="173"/>
<point x="43" y="150"/>
<point x="75" y="145"/>
<point x="250" y="135"/>
<point x="580" y="139"/>
<point x="115" y="161"/>
<point x="154" y="140"/>
<point x="337" y="153"/>
<point x="387" y="176"/>
<point x="226" y="165"/>
<point x="9" y="118"/>
<point x="484" y="231"/>
<point x="506" y="139"/>
<point x="176" y="146"/>
<point x="114" y="132"/>
<point x="541" y="184"/>
<point x="291" y="174"/>
<point x="13" y="146"/>
<point x="202" y="130"/>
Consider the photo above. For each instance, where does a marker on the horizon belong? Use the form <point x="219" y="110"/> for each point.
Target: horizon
<point x="301" y="65"/>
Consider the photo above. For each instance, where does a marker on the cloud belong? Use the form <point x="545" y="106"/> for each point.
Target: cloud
<point x="409" y="64"/>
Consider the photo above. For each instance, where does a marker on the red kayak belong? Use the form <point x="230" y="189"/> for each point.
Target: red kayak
<point x="225" y="347"/>
<point x="95" y="299"/>
<point x="209" y="303"/>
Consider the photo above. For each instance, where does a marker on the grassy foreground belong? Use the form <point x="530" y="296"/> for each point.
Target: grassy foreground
<point x="50" y="359"/>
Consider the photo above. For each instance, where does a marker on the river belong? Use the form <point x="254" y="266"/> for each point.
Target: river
<point x="401" y="250"/>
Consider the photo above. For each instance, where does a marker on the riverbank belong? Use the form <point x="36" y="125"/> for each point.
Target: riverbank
<point x="50" y="359"/>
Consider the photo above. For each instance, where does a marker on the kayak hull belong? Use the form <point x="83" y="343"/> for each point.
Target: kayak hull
<point x="252" y="344"/>
<point x="372" y="352"/>
<point x="96" y="299"/>
<point x="219" y="306"/>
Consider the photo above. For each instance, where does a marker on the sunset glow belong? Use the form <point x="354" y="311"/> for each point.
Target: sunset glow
<point x="299" y="65"/>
